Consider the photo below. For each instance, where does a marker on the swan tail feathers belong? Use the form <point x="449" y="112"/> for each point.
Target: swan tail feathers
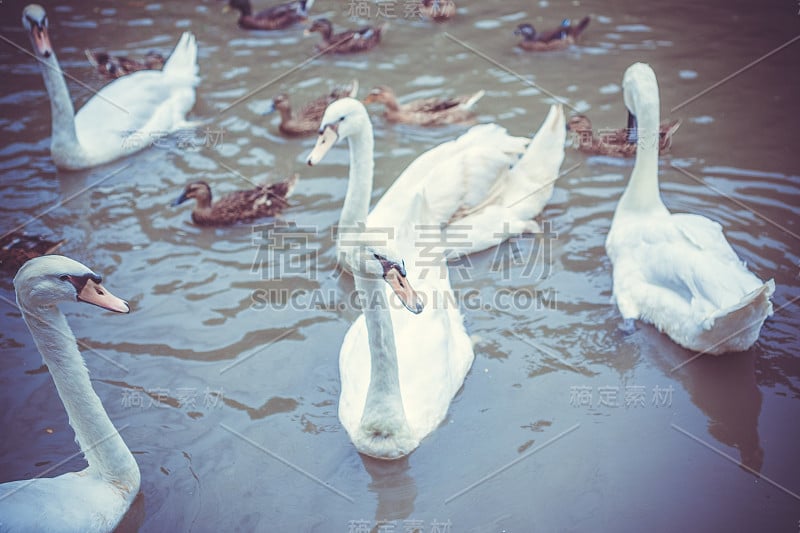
<point x="737" y="327"/>
<point x="542" y="160"/>
<point x="182" y="64"/>
<point x="582" y="25"/>
<point x="354" y="89"/>
<point x="470" y="103"/>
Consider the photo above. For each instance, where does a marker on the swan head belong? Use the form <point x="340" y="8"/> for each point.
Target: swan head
<point x="47" y="280"/>
<point x="378" y="261"/>
<point x="34" y="20"/>
<point x="343" y="118"/>
<point x="640" y="92"/>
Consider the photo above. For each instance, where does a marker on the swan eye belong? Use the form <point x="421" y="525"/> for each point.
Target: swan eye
<point x="341" y="118"/>
<point x="64" y="277"/>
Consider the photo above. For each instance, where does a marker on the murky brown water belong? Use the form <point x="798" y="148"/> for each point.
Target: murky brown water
<point x="230" y="406"/>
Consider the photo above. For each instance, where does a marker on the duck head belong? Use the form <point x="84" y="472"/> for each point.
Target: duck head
<point x="527" y="31"/>
<point x="242" y="6"/>
<point x="34" y="20"/>
<point x="279" y="103"/>
<point x="322" y="25"/>
<point x="199" y="190"/>
<point x="380" y="94"/>
<point x="50" y="279"/>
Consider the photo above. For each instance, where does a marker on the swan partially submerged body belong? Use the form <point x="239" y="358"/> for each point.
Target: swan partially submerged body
<point x="400" y="365"/>
<point x="123" y="117"/>
<point x="677" y="271"/>
<point x="96" y="498"/>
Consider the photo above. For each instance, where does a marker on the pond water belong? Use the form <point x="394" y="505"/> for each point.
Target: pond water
<point x="563" y="423"/>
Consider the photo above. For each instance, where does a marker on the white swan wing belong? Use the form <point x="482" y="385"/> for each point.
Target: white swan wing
<point x="73" y="502"/>
<point x="453" y="175"/>
<point x="131" y="111"/>
<point x="676" y="266"/>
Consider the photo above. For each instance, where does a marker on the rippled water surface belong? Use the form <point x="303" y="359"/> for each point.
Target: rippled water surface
<point x="230" y="406"/>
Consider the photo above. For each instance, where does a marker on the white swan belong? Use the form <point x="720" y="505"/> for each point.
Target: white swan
<point x="488" y="183"/>
<point x="677" y="272"/>
<point x="124" y="116"/>
<point x="96" y="498"/>
<point x="399" y="371"/>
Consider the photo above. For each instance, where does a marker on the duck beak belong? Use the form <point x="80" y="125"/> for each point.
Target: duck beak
<point x="179" y="200"/>
<point x="327" y="138"/>
<point x="270" y="109"/>
<point x="403" y="289"/>
<point x="307" y="31"/>
<point x="633" y="130"/>
<point x="41" y="41"/>
<point x="94" y="293"/>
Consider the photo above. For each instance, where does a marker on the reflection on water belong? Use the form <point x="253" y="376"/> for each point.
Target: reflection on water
<point x="724" y="389"/>
<point x="201" y="350"/>
<point x="394" y="487"/>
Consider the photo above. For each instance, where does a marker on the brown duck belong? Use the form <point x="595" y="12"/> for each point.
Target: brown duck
<point x="17" y="248"/>
<point x="435" y="111"/>
<point x="273" y="18"/>
<point x="306" y="120"/>
<point x="437" y="10"/>
<point x="614" y="142"/>
<point x="113" y="67"/>
<point x="346" y="42"/>
<point x="556" y="39"/>
<point x="238" y="206"/>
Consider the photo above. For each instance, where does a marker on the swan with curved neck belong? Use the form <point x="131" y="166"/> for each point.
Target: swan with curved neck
<point x="96" y="498"/>
<point x="399" y="371"/>
<point x="382" y="430"/>
<point x="487" y="181"/>
<point x="677" y="271"/>
<point x="125" y="115"/>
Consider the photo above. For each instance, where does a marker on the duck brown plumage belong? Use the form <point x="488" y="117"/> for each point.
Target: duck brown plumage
<point x="273" y="18"/>
<point x="437" y="10"/>
<point x="556" y="39"/>
<point x="17" y="248"/>
<point x="306" y="120"/>
<point x="613" y="142"/>
<point x="238" y="206"/>
<point x="425" y="112"/>
<point x="348" y="41"/>
<point x="113" y="67"/>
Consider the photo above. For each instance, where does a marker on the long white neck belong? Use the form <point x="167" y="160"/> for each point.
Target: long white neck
<point x="642" y="193"/>
<point x="359" y="186"/>
<point x="383" y="410"/>
<point x="64" y="138"/>
<point x="97" y="437"/>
